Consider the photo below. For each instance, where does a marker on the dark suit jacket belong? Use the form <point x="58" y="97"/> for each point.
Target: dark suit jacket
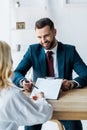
<point x="68" y="60"/>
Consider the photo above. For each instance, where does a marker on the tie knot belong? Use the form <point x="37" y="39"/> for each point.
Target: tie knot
<point x="49" y="53"/>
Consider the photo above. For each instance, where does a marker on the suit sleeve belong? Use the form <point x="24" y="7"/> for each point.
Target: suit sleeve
<point x="81" y="69"/>
<point x="22" y="68"/>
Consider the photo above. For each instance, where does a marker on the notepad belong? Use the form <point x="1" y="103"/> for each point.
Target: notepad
<point x="50" y="87"/>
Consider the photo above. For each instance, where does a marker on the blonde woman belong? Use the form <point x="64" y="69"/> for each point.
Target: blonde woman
<point x="16" y="108"/>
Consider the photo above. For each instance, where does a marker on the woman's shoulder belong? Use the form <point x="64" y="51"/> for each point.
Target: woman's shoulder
<point x="8" y="95"/>
<point x="12" y="92"/>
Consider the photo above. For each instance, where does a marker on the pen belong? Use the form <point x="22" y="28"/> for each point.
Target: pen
<point x="35" y="86"/>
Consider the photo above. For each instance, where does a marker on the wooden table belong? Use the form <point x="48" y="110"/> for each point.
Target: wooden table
<point x="71" y="105"/>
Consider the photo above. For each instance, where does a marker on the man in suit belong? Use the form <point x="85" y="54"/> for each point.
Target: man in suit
<point x="65" y="60"/>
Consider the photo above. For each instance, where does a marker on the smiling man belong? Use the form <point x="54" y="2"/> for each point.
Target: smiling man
<point x="65" y="59"/>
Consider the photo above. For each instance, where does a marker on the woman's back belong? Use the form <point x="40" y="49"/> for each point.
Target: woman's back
<point x="16" y="109"/>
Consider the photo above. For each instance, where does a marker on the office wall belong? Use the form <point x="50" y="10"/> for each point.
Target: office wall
<point x="70" y="21"/>
<point x="4" y="20"/>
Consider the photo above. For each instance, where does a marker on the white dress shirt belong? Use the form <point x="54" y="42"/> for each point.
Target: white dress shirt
<point x="17" y="109"/>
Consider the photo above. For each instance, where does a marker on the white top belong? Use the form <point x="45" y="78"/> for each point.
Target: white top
<point x="17" y="109"/>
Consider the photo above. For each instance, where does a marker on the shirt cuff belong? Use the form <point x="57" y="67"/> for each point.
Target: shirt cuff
<point x="21" y="82"/>
<point x="77" y="85"/>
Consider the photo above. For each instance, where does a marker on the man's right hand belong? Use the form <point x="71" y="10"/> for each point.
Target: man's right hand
<point x="27" y="85"/>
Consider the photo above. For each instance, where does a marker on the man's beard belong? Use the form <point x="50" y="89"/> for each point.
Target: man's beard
<point x="52" y="44"/>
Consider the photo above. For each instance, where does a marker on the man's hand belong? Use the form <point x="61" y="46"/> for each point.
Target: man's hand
<point x="27" y="85"/>
<point x="67" y="85"/>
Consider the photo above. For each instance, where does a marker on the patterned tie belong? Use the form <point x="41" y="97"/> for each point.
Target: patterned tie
<point x="50" y="67"/>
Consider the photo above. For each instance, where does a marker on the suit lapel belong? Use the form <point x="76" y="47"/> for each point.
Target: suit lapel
<point x="61" y="60"/>
<point x="42" y="61"/>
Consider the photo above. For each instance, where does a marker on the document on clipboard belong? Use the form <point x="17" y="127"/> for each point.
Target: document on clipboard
<point x="50" y="87"/>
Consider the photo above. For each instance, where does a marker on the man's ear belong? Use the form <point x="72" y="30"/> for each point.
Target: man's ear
<point x="55" y="31"/>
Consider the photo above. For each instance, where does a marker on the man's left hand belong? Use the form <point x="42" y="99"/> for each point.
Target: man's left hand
<point x="68" y="84"/>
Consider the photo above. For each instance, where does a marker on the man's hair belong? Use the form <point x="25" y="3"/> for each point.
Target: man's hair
<point x="44" y="22"/>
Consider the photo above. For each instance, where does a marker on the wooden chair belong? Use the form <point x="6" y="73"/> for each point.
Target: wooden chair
<point x="52" y="125"/>
<point x="60" y="126"/>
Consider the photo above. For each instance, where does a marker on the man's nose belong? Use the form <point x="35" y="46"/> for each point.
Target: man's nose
<point x="43" y="40"/>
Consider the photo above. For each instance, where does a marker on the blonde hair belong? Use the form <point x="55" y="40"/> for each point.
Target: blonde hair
<point x="5" y="65"/>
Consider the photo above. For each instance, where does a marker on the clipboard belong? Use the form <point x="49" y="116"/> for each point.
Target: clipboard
<point x="50" y="87"/>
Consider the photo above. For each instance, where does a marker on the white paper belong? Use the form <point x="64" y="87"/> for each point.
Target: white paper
<point x="50" y="87"/>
